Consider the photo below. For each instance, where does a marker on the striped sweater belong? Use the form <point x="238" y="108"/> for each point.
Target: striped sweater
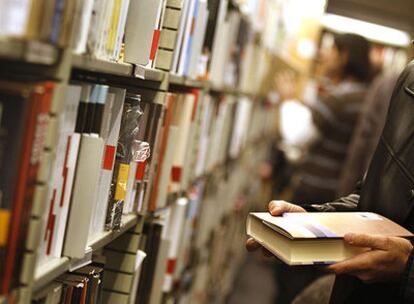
<point x="335" y="115"/>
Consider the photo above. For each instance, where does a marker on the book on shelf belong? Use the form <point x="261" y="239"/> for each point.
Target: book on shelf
<point x="110" y="132"/>
<point x="317" y="238"/>
<point x="99" y="28"/>
<point x="47" y="21"/>
<point x="153" y="135"/>
<point x="182" y="118"/>
<point x="24" y="122"/>
<point x="161" y="167"/>
<point x="60" y="185"/>
<point x="175" y="232"/>
<point x="142" y="31"/>
<point x="132" y="113"/>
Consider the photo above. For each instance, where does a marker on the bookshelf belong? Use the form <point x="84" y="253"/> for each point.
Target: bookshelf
<point x="58" y="266"/>
<point x="177" y="182"/>
<point x="83" y="62"/>
<point x="28" y="51"/>
<point x="128" y="222"/>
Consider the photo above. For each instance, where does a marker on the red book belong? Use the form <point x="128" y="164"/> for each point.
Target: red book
<point x="38" y="104"/>
<point x="163" y="146"/>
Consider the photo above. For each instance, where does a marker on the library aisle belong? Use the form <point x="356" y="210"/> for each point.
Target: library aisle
<point x="137" y="135"/>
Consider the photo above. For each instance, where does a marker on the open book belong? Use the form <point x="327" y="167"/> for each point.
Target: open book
<point x="317" y="238"/>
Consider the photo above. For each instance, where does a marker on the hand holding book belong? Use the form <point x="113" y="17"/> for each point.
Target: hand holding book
<point x="380" y="254"/>
<point x="276" y="208"/>
<point x="386" y="261"/>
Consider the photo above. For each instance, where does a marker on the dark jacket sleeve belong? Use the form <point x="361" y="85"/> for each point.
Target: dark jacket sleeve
<point x="407" y="284"/>
<point x="344" y="204"/>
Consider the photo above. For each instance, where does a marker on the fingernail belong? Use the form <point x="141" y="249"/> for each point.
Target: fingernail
<point x="349" y="237"/>
<point x="274" y="207"/>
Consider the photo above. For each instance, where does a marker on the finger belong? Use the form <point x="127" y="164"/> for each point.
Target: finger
<point x="252" y="245"/>
<point x="356" y="264"/>
<point x="279" y="207"/>
<point x="367" y="240"/>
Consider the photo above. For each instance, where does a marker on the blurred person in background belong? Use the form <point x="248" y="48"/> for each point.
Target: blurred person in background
<point x="334" y="113"/>
<point x="335" y="110"/>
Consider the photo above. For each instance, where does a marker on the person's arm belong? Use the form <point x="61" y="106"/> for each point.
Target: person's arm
<point x="344" y="204"/>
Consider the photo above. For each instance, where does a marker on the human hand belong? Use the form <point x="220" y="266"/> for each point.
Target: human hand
<point x="285" y="84"/>
<point x="276" y="208"/>
<point x="386" y="261"/>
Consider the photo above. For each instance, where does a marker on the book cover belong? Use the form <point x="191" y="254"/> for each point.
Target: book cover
<point x="331" y="225"/>
<point x="317" y="238"/>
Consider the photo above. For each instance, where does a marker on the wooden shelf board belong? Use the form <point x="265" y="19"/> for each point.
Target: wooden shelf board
<point x="87" y="63"/>
<point x="34" y="52"/>
<point x="106" y="237"/>
<point x="149" y="74"/>
<point x="54" y="268"/>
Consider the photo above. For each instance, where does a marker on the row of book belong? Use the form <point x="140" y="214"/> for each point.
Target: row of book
<point x="71" y="169"/>
<point x="188" y="253"/>
<point x="194" y="38"/>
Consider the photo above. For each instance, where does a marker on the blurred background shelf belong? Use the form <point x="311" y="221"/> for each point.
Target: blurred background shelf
<point x="28" y="51"/>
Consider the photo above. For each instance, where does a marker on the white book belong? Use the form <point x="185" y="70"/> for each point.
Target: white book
<point x="219" y="42"/>
<point x="84" y="11"/>
<point x="96" y="26"/>
<point x="166" y="167"/>
<point x="84" y="190"/>
<point x="57" y="203"/>
<point x="185" y="5"/>
<point x="214" y="145"/>
<point x="198" y="39"/>
<point x="187" y="37"/>
<point x="240" y="126"/>
<point x="190" y="153"/>
<point x="142" y="22"/>
<point x="175" y="233"/>
<point x="182" y="119"/>
<point x="206" y="117"/>
<point x="104" y="30"/>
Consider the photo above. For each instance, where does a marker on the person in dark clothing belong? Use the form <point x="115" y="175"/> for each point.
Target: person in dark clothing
<point x="367" y="132"/>
<point x="384" y="274"/>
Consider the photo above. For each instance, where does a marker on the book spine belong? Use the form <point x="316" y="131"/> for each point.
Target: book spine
<point x="34" y="138"/>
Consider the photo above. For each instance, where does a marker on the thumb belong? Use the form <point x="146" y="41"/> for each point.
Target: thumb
<point x="279" y="207"/>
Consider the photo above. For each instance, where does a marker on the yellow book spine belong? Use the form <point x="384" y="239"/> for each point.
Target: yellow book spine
<point x="4" y="226"/>
<point x="110" y="44"/>
<point x="121" y="183"/>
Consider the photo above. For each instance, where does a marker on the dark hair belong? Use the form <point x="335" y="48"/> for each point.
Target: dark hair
<point x="357" y="47"/>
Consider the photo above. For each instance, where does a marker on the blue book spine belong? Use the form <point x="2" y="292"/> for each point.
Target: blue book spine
<point x="190" y="39"/>
<point x="57" y="21"/>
